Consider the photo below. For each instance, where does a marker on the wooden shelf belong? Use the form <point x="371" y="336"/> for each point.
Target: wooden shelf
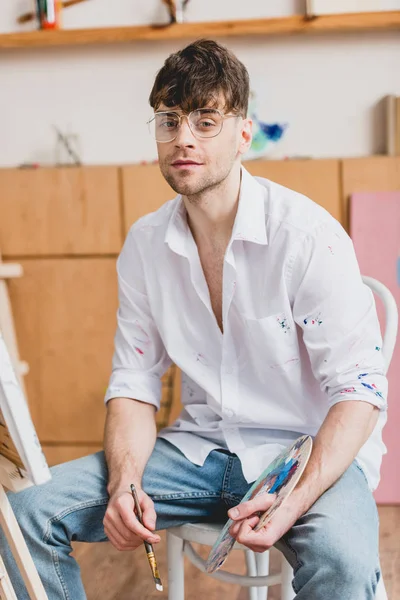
<point x="282" y="26"/>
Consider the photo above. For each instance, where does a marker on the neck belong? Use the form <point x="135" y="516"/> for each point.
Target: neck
<point x="211" y="214"/>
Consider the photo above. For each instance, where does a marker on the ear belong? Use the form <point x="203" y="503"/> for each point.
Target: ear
<point x="246" y="135"/>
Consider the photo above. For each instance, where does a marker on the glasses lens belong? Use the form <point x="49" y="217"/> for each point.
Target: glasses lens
<point x="206" y="122"/>
<point x="164" y="126"/>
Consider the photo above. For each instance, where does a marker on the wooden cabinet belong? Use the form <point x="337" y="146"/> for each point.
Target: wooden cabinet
<point x="66" y="211"/>
<point x="65" y="315"/>
<point x="370" y="174"/>
<point x="317" y="179"/>
<point x="144" y="190"/>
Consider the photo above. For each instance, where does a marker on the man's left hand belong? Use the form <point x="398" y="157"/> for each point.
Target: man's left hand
<point x="246" y="519"/>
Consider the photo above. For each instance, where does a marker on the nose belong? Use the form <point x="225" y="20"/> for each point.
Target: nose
<point x="185" y="136"/>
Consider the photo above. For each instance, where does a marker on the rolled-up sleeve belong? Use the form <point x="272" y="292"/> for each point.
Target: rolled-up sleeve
<point x="337" y="314"/>
<point x="139" y="359"/>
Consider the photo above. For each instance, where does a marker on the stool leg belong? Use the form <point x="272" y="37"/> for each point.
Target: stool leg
<point x="287" y="592"/>
<point x="176" y="573"/>
<point x="262" y="562"/>
<point x="252" y="572"/>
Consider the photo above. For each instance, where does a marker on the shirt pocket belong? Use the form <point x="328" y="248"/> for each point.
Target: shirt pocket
<point x="273" y="344"/>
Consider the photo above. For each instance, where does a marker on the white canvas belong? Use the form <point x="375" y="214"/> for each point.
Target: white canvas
<point x="15" y="417"/>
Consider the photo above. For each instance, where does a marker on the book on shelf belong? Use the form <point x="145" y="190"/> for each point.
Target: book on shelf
<point x="22" y="462"/>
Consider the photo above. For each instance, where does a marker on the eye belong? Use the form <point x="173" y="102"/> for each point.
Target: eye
<point x="206" y="123"/>
<point x="168" y="123"/>
<point x="205" y="120"/>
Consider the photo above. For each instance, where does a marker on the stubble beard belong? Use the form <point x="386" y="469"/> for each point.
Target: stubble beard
<point x="195" y="190"/>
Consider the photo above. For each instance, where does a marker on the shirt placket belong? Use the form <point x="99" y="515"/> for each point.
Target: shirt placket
<point x="229" y="368"/>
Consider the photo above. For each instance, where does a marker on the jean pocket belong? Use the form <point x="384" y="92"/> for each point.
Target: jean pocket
<point x="362" y="472"/>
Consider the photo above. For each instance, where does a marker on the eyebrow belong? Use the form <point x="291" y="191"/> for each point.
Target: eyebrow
<point x="178" y="111"/>
<point x="209" y="109"/>
<point x="166" y="112"/>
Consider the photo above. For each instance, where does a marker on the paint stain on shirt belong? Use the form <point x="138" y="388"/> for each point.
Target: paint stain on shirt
<point x="287" y="363"/>
<point x="282" y="320"/>
<point x="313" y="320"/>
<point x="372" y="387"/>
<point x="144" y="336"/>
<point x="201" y="359"/>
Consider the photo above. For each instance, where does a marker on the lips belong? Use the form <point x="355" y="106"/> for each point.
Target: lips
<point x="178" y="163"/>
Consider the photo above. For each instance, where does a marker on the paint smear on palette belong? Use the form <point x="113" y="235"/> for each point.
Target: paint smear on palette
<point x="371" y="213"/>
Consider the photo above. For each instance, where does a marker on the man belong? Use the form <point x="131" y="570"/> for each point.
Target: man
<point x="255" y="293"/>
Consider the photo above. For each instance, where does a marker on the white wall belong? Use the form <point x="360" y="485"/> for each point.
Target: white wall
<point x="327" y="88"/>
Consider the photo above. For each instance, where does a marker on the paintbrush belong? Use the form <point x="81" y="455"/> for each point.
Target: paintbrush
<point x="149" y="548"/>
<point x="25" y="18"/>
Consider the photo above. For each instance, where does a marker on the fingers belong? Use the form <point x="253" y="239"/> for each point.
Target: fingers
<point x="125" y="507"/>
<point x="122" y="526"/>
<point x="118" y="541"/>
<point x="260" y="503"/>
<point x="258" y="541"/>
<point x="149" y="514"/>
<point x="234" y="529"/>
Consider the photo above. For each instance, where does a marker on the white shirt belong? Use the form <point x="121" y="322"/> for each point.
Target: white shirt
<point x="300" y="328"/>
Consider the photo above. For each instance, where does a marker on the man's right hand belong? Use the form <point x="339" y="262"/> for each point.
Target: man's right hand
<point x="121" y="525"/>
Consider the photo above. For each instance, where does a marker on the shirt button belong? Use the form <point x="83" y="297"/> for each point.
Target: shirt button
<point x="228" y="370"/>
<point x="229" y="412"/>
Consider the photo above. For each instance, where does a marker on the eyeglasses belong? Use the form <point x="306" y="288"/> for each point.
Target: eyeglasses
<point x="203" y="123"/>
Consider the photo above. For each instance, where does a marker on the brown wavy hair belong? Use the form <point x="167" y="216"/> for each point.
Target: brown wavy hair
<point x="198" y="76"/>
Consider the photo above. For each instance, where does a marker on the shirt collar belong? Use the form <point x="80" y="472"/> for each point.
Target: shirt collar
<point x="250" y="217"/>
<point x="177" y="228"/>
<point x="249" y="222"/>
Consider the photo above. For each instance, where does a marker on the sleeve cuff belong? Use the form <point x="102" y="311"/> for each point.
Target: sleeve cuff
<point x="138" y="386"/>
<point x="367" y="388"/>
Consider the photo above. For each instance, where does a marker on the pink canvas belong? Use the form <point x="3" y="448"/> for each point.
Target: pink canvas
<point x="375" y="230"/>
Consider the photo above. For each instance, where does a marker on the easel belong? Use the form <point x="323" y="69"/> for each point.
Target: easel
<point x="10" y="475"/>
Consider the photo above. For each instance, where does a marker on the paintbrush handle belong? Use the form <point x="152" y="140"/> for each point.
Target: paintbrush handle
<point x="137" y="504"/>
<point x="148" y="546"/>
<point x="25" y="18"/>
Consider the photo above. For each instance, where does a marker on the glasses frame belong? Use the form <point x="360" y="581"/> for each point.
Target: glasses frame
<point x="180" y="117"/>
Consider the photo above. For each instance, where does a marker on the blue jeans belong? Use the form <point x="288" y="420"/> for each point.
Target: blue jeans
<point x="333" y="548"/>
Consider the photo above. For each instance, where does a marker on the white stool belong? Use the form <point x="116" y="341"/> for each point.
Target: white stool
<point x="257" y="579"/>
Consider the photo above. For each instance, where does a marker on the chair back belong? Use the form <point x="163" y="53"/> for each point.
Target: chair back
<point x="391" y="315"/>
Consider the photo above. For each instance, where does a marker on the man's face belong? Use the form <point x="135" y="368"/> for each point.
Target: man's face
<point x="192" y="164"/>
